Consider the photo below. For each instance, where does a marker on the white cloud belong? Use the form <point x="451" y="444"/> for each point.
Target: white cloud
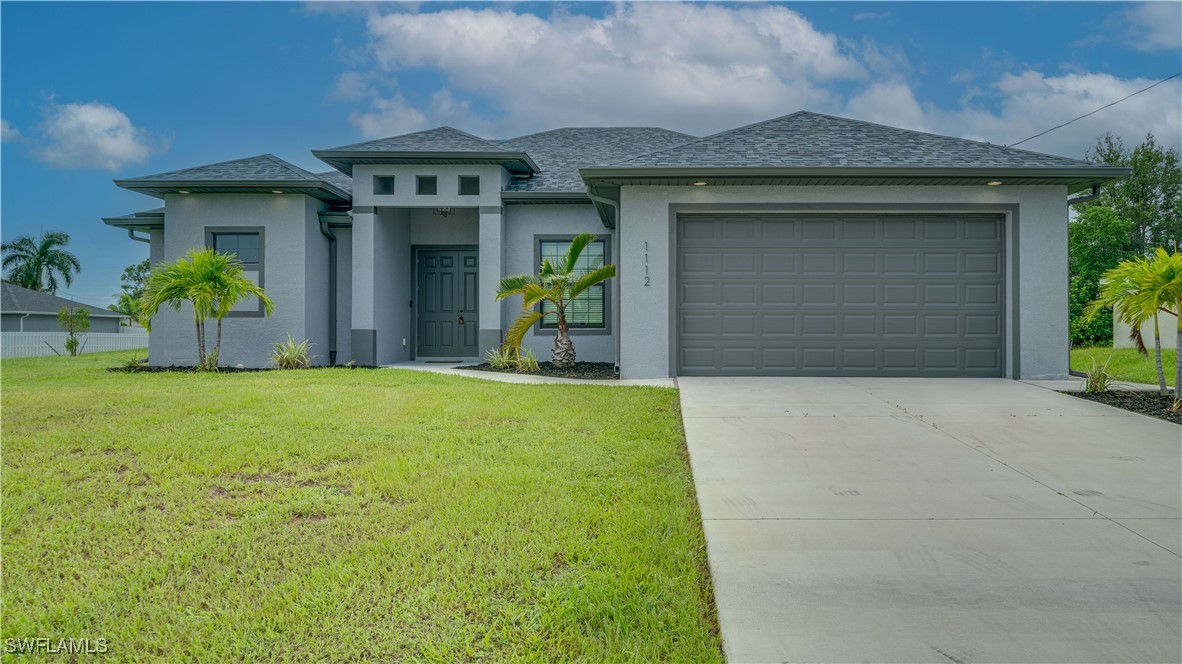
<point x="1031" y="102"/>
<point x="8" y="133"/>
<point x="1155" y="26"/>
<point x="703" y="68"/>
<point x="872" y="16"/>
<point x="698" y="68"/>
<point x="91" y="135"/>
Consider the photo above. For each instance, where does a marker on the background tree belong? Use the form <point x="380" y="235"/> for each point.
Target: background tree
<point x="211" y="283"/>
<point x="73" y="323"/>
<point x="1097" y="240"/>
<point x="38" y="263"/>
<point x="135" y="278"/>
<point x="557" y="284"/>
<point x="1150" y="199"/>
<point x="128" y="306"/>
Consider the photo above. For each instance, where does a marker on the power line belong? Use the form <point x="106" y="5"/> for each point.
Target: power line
<point x="1096" y="111"/>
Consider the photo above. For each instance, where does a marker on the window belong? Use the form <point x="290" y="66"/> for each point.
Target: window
<point x="588" y="310"/>
<point x="426" y="185"/>
<point x="469" y="185"/>
<point x="246" y="244"/>
<point x="383" y="185"/>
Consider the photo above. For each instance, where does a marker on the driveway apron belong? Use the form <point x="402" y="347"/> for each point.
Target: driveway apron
<point x="935" y="520"/>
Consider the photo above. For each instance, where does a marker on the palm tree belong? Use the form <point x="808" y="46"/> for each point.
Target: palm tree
<point x="557" y="284"/>
<point x="1143" y="288"/>
<point x="37" y="263"/>
<point x="128" y="305"/>
<point x="211" y="283"/>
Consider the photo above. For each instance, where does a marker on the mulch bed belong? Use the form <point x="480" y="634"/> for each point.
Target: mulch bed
<point x="1146" y="403"/>
<point x="584" y="370"/>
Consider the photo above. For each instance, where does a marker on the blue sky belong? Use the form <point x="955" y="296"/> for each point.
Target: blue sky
<point x="97" y="91"/>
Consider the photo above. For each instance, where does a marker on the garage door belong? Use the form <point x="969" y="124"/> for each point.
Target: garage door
<point x="840" y="296"/>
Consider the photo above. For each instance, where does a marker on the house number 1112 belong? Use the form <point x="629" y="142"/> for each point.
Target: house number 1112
<point x="648" y="281"/>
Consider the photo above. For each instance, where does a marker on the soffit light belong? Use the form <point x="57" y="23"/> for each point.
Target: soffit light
<point x="699" y="183"/>
<point x="994" y="183"/>
<point x="276" y="191"/>
<point x="181" y="191"/>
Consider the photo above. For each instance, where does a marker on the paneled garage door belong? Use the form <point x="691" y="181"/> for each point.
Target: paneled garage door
<point x="916" y="295"/>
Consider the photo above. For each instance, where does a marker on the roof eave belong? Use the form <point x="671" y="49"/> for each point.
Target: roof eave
<point x="1075" y="178"/>
<point x="320" y="189"/>
<point x="558" y="197"/>
<point x="344" y="160"/>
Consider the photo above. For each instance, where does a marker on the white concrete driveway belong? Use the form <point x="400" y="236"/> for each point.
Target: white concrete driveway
<point x="930" y="520"/>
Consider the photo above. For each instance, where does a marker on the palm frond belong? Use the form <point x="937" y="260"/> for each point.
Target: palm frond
<point x="577" y="245"/>
<point x="592" y="278"/>
<point x="513" y="285"/>
<point x="518" y="330"/>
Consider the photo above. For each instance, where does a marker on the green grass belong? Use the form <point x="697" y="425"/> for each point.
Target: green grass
<point x="1126" y="363"/>
<point x="346" y="515"/>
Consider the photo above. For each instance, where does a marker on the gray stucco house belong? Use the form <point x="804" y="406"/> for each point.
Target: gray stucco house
<point x="26" y="310"/>
<point x="805" y="245"/>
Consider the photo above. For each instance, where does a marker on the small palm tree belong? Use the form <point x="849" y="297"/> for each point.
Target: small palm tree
<point x="1143" y="288"/>
<point x="212" y="283"/>
<point x="37" y="263"/>
<point x="557" y="284"/>
<point x="128" y="305"/>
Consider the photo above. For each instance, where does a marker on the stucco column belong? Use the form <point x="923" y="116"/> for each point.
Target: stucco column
<point x="492" y="259"/>
<point x="364" y="333"/>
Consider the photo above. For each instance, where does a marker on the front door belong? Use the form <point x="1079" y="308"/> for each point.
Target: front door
<point x="447" y="323"/>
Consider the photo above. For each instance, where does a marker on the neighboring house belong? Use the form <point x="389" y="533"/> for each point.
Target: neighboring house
<point x="1167" y="326"/>
<point x="805" y="245"/>
<point x="25" y="310"/>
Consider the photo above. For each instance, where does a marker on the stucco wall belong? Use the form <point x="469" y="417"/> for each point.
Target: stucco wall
<point x="428" y="228"/>
<point x="523" y="225"/>
<point x="492" y="178"/>
<point x="1167" y="326"/>
<point x="392" y="291"/>
<point x="1041" y="302"/>
<point x="344" y="293"/>
<point x="48" y="323"/>
<point x="291" y="244"/>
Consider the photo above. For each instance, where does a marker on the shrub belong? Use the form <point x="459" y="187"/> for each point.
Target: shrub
<point x="501" y="359"/>
<point x="73" y="322"/>
<point x="1100" y="377"/>
<point x="527" y="363"/>
<point x="292" y="355"/>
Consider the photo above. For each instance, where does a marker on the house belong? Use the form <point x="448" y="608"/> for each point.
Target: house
<point x="26" y="310"/>
<point x="805" y="245"/>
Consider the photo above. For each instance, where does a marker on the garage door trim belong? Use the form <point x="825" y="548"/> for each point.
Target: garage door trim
<point x="1009" y="253"/>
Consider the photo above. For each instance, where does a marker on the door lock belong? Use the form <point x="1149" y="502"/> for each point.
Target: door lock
<point x="461" y="318"/>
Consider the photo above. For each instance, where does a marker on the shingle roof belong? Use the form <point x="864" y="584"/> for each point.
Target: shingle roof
<point x="441" y="139"/>
<point x="338" y="178"/>
<point x="14" y="299"/>
<point x="805" y="139"/>
<point x="260" y="167"/>
<point x="560" y="153"/>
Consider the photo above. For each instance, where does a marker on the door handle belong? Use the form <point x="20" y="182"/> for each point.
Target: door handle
<point x="461" y="317"/>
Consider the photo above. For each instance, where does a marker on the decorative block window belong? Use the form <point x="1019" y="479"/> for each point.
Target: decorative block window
<point x="246" y="244"/>
<point x="383" y="185"/>
<point x="426" y="185"/>
<point x="469" y="185"/>
<point x="588" y="310"/>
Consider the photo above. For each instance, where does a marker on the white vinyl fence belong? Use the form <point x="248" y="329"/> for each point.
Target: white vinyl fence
<point x="34" y="344"/>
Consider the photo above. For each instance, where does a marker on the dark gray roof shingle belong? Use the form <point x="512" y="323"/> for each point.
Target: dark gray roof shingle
<point x="261" y="167"/>
<point x="337" y="178"/>
<point x="805" y="139"/>
<point x="441" y="139"/>
<point x="560" y="153"/>
<point x="14" y="298"/>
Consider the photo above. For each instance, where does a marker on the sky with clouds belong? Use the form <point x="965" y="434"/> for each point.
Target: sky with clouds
<point x="160" y="86"/>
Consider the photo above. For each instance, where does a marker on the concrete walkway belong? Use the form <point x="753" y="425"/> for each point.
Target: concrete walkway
<point x="929" y="520"/>
<point x="523" y="379"/>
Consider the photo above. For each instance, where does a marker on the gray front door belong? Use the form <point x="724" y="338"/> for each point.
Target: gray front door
<point x="828" y="295"/>
<point x="446" y="303"/>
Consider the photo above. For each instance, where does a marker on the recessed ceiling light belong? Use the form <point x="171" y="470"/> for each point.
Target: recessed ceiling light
<point x="700" y="183"/>
<point x="181" y="191"/>
<point x="280" y="191"/>
<point x="994" y="183"/>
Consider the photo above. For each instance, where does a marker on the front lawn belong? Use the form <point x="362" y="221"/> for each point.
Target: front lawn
<point x="1126" y="363"/>
<point x="348" y="515"/>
